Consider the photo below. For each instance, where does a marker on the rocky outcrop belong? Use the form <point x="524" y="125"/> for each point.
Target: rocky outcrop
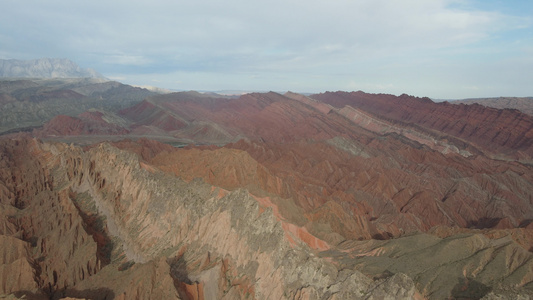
<point x="495" y="131"/>
<point x="306" y="194"/>
<point x="412" y="190"/>
<point x="43" y="222"/>
<point x="213" y="119"/>
<point x="231" y="169"/>
<point x="131" y="232"/>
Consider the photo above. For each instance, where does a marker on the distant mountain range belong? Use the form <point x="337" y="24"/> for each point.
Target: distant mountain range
<point x="45" y="68"/>
<point x="523" y="104"/>
<point x="29" y="102"/>
<point x="108" y="189"/>
<point x="339" y="195"/>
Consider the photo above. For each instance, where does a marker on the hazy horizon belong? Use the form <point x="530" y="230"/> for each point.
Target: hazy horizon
<point x="443" y="49"/>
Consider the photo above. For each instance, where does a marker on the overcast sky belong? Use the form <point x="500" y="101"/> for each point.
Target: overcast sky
<point x="436" y="48"/>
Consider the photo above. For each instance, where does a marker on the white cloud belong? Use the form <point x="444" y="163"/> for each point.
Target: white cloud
<point x="124" y="59"/>
<point x="291" y="39"/>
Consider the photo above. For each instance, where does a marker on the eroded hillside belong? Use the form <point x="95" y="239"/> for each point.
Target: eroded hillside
<point x="26" y="104"/>
<point x="333" y="196"/>
<point x="100" y="223"/>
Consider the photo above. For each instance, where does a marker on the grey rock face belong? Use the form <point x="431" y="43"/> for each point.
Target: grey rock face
<point x="44" y="68"/>
<point x="399" y="286"/>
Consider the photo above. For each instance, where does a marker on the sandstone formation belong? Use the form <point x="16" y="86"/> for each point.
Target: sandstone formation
<point x="129" y="232"/>
<point x="333" y="196"/>
<point x="495" y="131"/>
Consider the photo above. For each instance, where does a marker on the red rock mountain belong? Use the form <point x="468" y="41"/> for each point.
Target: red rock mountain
<point x="278" y="196"/>
<point x="492" y="130"/>
<point x="523" y="104"/>
<point x="87" y="123"/>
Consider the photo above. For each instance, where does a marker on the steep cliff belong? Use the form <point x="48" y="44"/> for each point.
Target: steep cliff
<point x="495" y="131"/>
<point x="56" y="249"/>
<point x="129" y="231"/>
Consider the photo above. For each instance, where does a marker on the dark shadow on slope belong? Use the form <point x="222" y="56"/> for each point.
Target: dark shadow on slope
<point x="91" y="294"/>
<point x="468" y="288"/>
<point x="382" y="236"/>
<point x="30" y="295"/>
<point x="95" y="226"/>
<point x="483" y="223"/>
<point x="187" y="289"/>
<point x="383" y="275"/>
<point x="182" y="283"/>
<point x="525" y="223"/>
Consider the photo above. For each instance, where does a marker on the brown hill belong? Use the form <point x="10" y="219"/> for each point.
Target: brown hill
<point x="87" y="123"/>
<point x="127" y="228"/>
<point x="523" y="104"/>
<point x="299" y="194"/>
<point x="29" y="103"/>
<point x="213" y="119"/>
<point x="271" y="117"/>
<point x="320" y="152"/>
<point x="100" y="223"/>
<point x="494" y="131"/>
<point x="316" y="153"/>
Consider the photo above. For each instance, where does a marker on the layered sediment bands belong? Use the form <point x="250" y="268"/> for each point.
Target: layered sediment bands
<point x="429" y="138"/>
<point x="85" y="124"/>
<point x="307" y="193"/>
<point x="131" y="231"/>
<point x="168" y="238"/>
<point x="269" y="116"/>
<point x="507" y="132"/>
<point x="389" y="188"/>
<point x="343" y="190"/>
<point x="148" y="113"/>
<point x="155" y="216"/>
<point x="523" y="104"/>
<point x="37" y="214"/>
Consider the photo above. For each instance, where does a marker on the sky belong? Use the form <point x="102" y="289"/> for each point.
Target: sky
<point x="442" y="49"/>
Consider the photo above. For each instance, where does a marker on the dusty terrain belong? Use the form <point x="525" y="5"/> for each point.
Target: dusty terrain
<point x="333" y="196"/>
<point x="523" y="104"/>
